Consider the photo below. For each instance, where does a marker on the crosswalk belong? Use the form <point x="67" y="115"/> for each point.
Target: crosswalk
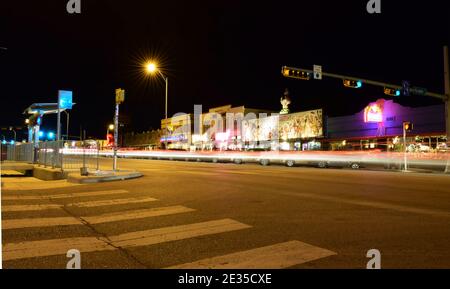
<point x="275" y="256"/>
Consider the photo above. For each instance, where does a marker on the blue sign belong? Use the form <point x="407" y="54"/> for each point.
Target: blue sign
<point x="65" y="99"/>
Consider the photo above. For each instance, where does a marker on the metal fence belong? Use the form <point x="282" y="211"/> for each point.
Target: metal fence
<point x="78" y="155"/>
<point x="18" y="152"/>
<point x="64" y="155"/>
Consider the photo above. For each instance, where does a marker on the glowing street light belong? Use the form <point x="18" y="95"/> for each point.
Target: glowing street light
<point x="110" y="127"/>
<point x="152" y="68"/>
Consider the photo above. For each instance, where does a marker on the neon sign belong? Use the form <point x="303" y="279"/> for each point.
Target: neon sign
<point x="374" y="113"/>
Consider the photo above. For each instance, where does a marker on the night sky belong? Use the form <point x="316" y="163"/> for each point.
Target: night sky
<point x="215" y="53"/>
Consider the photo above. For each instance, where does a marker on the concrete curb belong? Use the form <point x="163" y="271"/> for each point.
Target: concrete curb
<point x="111" y="177"/>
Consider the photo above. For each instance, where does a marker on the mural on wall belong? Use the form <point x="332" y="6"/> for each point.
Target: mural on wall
<point x="308" y="124"/>
<point x="300" y="125"/>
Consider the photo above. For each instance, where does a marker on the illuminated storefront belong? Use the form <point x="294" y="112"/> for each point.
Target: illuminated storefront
<point x="378" y="126"/>
<point x="177" y="132"/>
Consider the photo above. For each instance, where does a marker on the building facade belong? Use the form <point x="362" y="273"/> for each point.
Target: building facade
<point x="380" y="126"/>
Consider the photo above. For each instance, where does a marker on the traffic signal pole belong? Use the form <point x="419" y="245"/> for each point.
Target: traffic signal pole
<point x="447" y="91"/>
<point x="405" y="150"/>
<point x="444" y="97"/>
<point x="447" y="103"/>
<point x="116" y="136"/>
<point x="368" y="81"/>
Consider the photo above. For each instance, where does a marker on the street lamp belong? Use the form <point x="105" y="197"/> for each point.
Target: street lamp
<point x="152" y="68"/>
<point x="14" y="131"/>
<point x="110" y="128"/>
<point x="67" y="123"/>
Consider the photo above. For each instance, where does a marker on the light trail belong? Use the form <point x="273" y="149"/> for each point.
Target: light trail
<point x="330" y="158"/>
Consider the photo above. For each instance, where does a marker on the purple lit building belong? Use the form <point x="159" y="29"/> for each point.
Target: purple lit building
<point x="380" y="125"/>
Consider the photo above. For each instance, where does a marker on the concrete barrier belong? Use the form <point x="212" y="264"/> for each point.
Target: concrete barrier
<point x="47" y="174"/>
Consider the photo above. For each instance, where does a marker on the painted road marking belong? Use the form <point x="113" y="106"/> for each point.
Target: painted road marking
<point x="161" y="235"/>
<point x="65" y="196"/>
<point x="105" y="218"/>
<point x="138" y="214"/>
<point x="13" y="251"/>
<point x="102" y="203"/>
<point x="39" y="222"/>
<point x="277" y="256"/>
<point x="92" y="204"/>
<point x="23" y="208"/>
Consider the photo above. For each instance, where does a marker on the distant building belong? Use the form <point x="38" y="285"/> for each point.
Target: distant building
<point x="144" y="140"/>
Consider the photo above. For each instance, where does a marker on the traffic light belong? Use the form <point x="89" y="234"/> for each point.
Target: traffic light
<point x="408" y="126"/>
<point x="352" y="83"/>
<point x="392" y="91"/>
<point x="35" y="119"/>
<point x="295" y="73"/>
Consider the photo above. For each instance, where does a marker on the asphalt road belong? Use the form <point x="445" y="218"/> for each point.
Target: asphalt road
<point x="236" y="215"/>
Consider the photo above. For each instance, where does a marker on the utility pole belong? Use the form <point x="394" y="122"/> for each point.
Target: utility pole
<point x="447" y="91"/>
<point x="67" y="124"/>
<point x="447" y="103"/>
<point x="58" y="121"/>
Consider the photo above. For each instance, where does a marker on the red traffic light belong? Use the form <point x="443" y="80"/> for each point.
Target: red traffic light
<point x="408" y="126"/>
<point x="295" y="73"/>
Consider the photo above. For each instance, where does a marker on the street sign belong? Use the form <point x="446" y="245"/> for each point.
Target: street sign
<point x="120" y="96"/>
<point x="406" y="88"/>
<point x="318" y="72"/>
<point x="418" y="90"/>
<point x="65" y="99"/>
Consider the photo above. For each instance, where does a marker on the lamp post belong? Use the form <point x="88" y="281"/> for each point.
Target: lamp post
<point x="109" y="128"/>
<point x="152" y="68"/>
<point x="67" y="123"/>
<point x="15" y="133"/>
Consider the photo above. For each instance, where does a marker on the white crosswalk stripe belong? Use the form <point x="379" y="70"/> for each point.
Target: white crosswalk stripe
<point x="14" y="251"/>
<point x="90" y="204"/>
<point x="98" y="219"/>
<point x="23" y="208"/>
<point x="276" y="256"/>
<point x="112" y="202"/>
<point x="64" y="196"/>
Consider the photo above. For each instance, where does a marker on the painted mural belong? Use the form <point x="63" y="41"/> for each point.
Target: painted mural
<point x="300" y="125"/>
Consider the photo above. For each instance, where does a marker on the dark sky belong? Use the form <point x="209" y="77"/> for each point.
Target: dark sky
<point x="215" y="53"/>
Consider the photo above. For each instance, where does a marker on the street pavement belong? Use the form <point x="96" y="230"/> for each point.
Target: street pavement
<point x="205" y="215"/>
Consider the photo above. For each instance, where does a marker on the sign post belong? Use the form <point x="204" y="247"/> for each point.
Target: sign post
<point x="65" y="101"/>
<point x="318" y="72"/>
<point x="120" y="98"/>
<point x="405" y="150"/>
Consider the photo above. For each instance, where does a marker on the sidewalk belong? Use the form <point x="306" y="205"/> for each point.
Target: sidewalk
<point x="103" y="176"/>
<point x="27" y="184"/>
